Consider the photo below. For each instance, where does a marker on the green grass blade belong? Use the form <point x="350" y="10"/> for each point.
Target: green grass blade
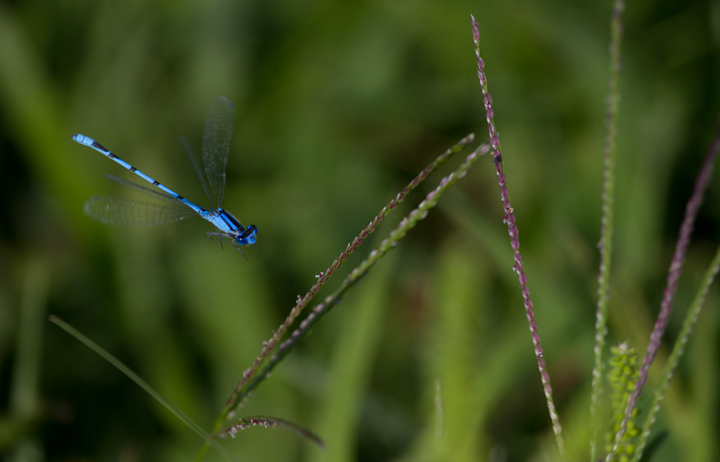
<point x="142" y="384"/>
<point x="607" y="223"/>
<point x="677" y="352"/>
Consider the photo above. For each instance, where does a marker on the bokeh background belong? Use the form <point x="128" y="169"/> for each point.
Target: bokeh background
<point x="339" y="105"/>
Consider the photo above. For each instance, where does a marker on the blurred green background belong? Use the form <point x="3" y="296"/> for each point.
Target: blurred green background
<point x="339" y="105"/>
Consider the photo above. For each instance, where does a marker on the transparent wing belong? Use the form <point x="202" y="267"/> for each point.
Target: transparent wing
<point x="196" y="166"/>
<point x="147" y="191"/>
<point x="123" y="212"/>
<point x="216" y="144"/>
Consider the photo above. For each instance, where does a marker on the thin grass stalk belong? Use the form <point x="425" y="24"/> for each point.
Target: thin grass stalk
<point x="358" y="273"/>
<point x="677" y="352"/>
<point x="209" y="440"/>
<point x="302" y="302"/>
<point x="509" y="219"/>
<point x="271" y="422"/>
<point x="673" y="275"/>
<point x="607" y="220"/>
<point x="242" y="390"/>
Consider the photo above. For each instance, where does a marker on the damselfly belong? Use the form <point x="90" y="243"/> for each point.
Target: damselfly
<point x="215" y="150"/>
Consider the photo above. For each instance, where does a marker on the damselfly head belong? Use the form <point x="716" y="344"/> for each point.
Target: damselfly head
<point x="248" y="236"/>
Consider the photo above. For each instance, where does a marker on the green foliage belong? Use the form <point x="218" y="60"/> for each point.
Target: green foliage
<point x="339" y="105"/>
<point x="622" y="375"/>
